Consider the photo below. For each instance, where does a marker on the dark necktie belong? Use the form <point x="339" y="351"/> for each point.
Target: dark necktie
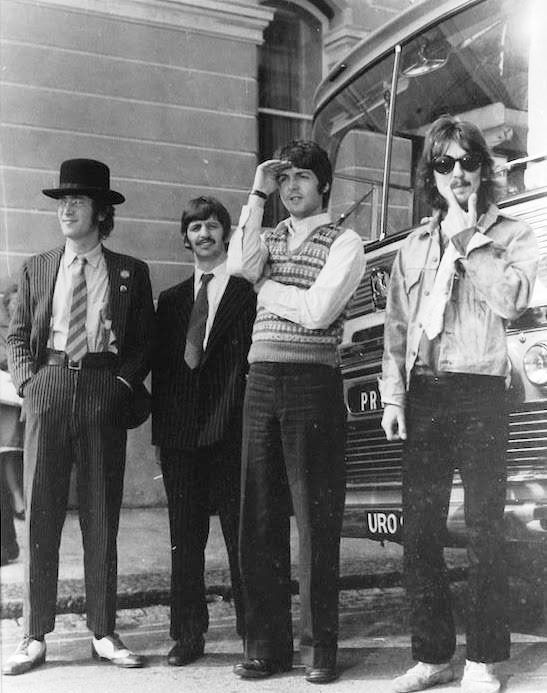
<point x="196" y="326"/>
<point x="76" y="341"/>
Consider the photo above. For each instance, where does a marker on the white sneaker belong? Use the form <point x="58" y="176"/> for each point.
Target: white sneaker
<point x="423" y="676"/>
<point x="479" y="677"/>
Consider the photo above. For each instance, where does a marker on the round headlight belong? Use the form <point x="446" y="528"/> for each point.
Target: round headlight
<point x="535" y="364"/>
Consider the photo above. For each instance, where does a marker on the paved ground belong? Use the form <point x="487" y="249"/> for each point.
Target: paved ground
<point x="144" y="561"/>
<point x="374" y="647"/>
<point x="374" y="643"/>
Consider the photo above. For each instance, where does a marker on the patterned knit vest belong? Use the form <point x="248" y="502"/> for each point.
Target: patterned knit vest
<point x="278" y="339"/>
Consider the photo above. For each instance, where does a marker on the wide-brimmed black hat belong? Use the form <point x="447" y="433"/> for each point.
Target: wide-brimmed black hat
<point x="85" y="177"/>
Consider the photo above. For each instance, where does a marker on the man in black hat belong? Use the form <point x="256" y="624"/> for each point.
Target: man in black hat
<point x="78" y="350"/>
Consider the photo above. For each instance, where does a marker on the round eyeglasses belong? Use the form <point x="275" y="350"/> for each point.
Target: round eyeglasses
<point x="445" y="164"/>
<point x="77" y="202"/>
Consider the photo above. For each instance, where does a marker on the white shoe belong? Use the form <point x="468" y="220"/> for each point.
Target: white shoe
<point x="30" y="653"/>
<point x="479" y="677"/>
<point x="111" y="649"/>
<point x="423" y="676"/>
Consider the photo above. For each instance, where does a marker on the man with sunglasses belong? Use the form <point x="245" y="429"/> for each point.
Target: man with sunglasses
<point x="455" y="282"/>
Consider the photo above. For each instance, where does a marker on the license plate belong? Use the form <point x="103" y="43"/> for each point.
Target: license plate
<point x="364" y="397"/>
<point x="384" y="524"/>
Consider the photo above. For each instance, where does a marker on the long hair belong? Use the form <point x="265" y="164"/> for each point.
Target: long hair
<point x="105" y="225"/>
<point x="308" y="154"/>
<point x="201" y="208"/>
<point x="445" y="130"/>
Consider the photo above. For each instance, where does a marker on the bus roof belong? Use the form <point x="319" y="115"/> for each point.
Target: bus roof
<point x="375" y="46"/>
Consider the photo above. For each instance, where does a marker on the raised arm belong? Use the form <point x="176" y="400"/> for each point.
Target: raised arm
<point x="247" y="254"/>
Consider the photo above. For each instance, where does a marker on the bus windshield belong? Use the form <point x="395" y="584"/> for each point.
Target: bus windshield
<point x="484" y="63"/>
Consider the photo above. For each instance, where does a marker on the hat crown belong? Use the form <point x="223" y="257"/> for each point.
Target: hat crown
<point x="84" y="173"/>
<point x="85" y="177"/>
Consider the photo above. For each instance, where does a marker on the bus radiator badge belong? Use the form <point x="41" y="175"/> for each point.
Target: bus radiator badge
<point x="379" y="278"/>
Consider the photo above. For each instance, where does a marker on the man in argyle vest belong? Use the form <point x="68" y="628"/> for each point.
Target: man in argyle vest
<point x="305" y="272"/>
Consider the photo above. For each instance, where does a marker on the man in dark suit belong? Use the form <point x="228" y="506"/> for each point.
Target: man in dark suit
<point x="199" y="367"/>
<point x="78" y="349"/>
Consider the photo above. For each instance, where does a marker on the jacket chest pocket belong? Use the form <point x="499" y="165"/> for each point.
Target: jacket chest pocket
<point x="413" y="277"/>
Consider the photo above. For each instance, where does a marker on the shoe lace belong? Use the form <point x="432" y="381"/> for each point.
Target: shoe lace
<point x="23" y="646"/>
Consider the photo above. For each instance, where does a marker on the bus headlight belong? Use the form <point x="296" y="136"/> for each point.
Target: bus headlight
<point x="535" y="364"/>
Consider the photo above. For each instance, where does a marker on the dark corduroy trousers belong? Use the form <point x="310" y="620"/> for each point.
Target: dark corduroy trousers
<point x="72" y="417"/>
<point x="293" y="431"/>
<point x="455" y="422"/>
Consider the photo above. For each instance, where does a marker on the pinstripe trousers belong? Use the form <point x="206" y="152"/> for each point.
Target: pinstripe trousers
<point x="72" y="417"/>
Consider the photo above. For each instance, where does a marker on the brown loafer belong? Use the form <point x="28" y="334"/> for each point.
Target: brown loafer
<point x="111" y="649"/>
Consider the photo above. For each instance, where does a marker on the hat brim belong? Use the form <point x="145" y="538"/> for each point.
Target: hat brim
<point x="107" y="196"/>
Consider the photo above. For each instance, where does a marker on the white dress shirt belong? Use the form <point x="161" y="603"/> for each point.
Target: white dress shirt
<point x="313" y="308"/>
<point x="98" y="320"/>
<point x="215" y="291"/>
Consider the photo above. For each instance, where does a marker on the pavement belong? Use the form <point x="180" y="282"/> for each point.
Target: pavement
<point x="144" y="563"/>
<point x="374" y="640"/>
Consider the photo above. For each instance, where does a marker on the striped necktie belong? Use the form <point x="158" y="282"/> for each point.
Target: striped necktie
<point x="76" y="341"/>
<point x="196" y="326"/>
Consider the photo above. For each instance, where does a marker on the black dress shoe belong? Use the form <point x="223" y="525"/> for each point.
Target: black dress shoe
<point x="321" y="674"/>
<point x="186" y="651"/>
<point x="259" y="668"/>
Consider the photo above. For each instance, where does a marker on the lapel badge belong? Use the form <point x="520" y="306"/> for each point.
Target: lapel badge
<point x="124" y="274"/>
<point x="123" y="288"/>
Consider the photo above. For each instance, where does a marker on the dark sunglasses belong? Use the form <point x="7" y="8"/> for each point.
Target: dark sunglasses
<point x="445" y="164"/>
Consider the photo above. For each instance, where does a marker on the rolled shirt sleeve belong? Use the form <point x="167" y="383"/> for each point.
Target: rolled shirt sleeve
<point x="247" y="253"/>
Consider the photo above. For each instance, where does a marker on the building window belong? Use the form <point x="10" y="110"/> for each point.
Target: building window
<point x="289" y="71"/>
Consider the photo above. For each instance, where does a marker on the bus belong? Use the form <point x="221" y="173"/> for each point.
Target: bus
<point x="483" y="61"/>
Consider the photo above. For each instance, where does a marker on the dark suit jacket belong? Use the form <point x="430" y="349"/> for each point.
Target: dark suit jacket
<point x="194" y="408"/>
<point x="131" y="308"/>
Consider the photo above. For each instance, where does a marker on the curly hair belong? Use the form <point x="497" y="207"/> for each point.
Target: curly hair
<point x="445" y="130"/>
<point x="308" y="154"/>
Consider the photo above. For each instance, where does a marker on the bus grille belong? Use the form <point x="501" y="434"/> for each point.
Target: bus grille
<point x="371" y="459"/>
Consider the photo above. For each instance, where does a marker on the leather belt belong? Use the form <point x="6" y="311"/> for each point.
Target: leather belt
<point x="97" y="359"/>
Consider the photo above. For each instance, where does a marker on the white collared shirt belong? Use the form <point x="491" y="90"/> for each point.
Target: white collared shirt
<point x="98" y="320"/>
<point x="316" y="307"/>
<point x="215" y="291"/>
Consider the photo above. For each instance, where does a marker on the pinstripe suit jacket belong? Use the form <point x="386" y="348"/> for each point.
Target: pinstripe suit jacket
<point x="194" y="408"/>
<point x="131" y="308"/>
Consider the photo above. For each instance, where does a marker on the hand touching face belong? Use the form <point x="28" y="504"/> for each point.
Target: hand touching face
<point x="458" y="184"/>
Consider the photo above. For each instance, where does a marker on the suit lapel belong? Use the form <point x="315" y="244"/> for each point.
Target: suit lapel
<point x="53" y="260"/>
<point x="185" y="302"/>
<point x="229" y="307"/>
<point x="46" y="289"/>
<point x="120" y="281"/>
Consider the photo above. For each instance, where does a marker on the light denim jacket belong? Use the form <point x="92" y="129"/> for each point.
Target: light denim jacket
<point x="493" y="283"/>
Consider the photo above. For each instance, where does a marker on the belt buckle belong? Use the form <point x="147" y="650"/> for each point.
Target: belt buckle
<point x="74" y="365"/>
